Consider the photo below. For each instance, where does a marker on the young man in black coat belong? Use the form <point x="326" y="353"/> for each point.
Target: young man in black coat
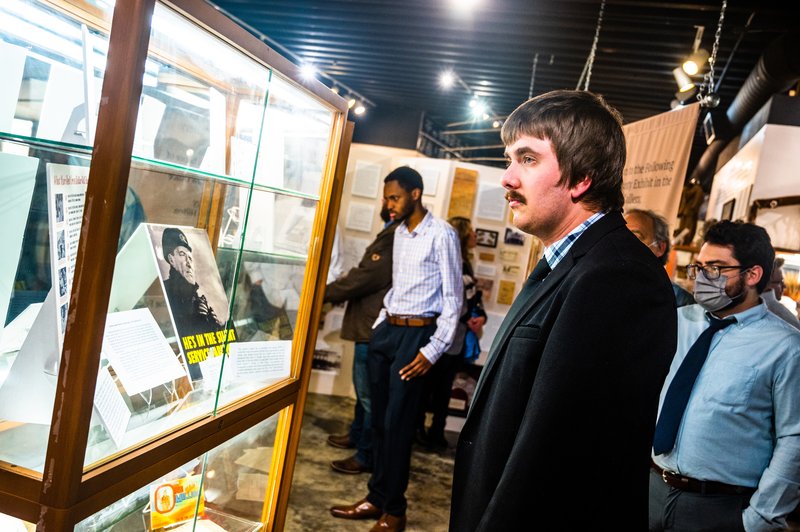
<point x="562" y="418"/>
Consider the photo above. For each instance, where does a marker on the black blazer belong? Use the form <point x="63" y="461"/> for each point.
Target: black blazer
<point x="561" y="423"/>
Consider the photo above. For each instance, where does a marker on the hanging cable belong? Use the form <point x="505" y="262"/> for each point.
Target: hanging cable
<point x="706" y="95"/>
<point x="533" y="75"/>
<point x="590" y="61"/>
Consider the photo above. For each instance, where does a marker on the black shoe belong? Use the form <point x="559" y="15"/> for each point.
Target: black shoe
<point x="421" y="437"/>
<point x="437" y="442"/>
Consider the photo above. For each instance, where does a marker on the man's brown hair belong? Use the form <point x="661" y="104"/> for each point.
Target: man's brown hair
<point x="586" y="134"/>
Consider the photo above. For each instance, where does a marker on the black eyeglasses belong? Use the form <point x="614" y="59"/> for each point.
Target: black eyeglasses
<point x="711" y="272"/>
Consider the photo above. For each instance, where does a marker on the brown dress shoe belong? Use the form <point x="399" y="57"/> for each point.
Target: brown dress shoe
<point x="350" y="466"/>
<point x="363" y="509"/>
<point x="390" y="523"/>
<point x="341" y="441"/>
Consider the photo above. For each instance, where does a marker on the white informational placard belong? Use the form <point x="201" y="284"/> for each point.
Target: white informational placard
<point x="491" y="204"/>
<point x="66" y="194"/>
<point x="353" y="249"/>
<point x="334" y="320"/>
<point x="138" y="351"/>
<point x="360" y="217"/>
<point x="111" y="406"/>
<point x="366" y="180"/>
<point x="260" y="361"/>
<point x="430" y="178"/>
<point x="485" y="270"/>
<point x="17" y="178"/>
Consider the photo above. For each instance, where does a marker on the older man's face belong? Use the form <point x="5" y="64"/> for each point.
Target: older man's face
<point x="776" y="282"/>
<point x="642" y="227"/>
<point x="181" y="260"/>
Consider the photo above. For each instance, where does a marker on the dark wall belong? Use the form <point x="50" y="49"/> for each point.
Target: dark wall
<point x="387" y="126"/>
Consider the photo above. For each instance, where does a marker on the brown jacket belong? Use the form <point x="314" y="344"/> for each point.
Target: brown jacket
<point x="364" y="287"/>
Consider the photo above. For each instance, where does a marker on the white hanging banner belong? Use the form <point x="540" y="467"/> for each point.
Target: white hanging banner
<point x="658" y="154"/>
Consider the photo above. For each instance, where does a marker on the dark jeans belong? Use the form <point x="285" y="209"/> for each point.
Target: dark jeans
<point x="674" y="510"/>
<point x="361" y="428"/>
<point x="395" y="404"/>
<point x="438" y="385"/>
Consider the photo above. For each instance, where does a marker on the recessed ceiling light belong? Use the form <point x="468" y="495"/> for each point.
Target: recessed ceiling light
<point x="464" y="5"/>
<point x="447" y="79"/>
<point x="308" y="71"/>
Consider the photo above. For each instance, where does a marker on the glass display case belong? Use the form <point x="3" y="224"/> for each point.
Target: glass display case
<point x="170" y="188"/>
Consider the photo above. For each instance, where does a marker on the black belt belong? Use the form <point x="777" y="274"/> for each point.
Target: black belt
<point x="706" y="487"/>
<point x="411" y="321"/>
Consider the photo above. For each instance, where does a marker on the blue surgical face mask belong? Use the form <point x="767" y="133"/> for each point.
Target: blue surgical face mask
<point x="711" y="295"/>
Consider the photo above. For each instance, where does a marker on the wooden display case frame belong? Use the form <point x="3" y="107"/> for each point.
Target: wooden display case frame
<point x="66" y="493"/>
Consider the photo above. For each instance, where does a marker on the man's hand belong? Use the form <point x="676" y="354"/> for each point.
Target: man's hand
<point x="418" y="367"/>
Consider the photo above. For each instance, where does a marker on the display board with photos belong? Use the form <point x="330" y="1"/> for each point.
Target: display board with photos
<point x="209" y="282"/>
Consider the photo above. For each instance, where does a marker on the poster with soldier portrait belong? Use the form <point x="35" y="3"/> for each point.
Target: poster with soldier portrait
<point x="193" y="290"/>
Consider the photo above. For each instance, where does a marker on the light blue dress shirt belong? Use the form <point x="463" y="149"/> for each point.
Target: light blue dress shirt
<point x="426" y="279"/>
<point x="742" y="423"/>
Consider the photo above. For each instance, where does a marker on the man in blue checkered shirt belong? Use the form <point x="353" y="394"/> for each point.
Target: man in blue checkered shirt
<point x="415" y="327"/>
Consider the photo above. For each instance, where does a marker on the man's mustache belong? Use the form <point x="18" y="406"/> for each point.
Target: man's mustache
<point x="512" y="195"/>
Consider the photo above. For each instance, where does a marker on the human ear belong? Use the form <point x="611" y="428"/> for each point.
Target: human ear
<point x="579" y="189"/>
<point x="753" y="275"/>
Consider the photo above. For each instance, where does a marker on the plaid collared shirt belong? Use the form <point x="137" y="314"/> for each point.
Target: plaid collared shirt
<point x="557" y="250"/>
<point x="426" y="279"/>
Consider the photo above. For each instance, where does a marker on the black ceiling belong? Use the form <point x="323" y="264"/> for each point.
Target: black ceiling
<point x="392" y="53"/>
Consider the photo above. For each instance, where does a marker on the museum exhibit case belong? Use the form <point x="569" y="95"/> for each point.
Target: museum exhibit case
<point x="170" y="187"/>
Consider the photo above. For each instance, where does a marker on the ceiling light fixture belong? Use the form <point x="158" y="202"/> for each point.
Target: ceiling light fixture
<point x="694" y="63"/>
<point x="479" y="109"/>
<point x="308" y="71"/>
<point x="464" y="6"/>
<point x="351" y="102"/>
<point x="360" y="109"/>
<point x="684" y="82"/>
<point x="447" y="79"/>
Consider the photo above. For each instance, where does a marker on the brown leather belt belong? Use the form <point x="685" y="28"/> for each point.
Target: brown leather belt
<point x="706" y="487"/>
<point x="411" y="321"/>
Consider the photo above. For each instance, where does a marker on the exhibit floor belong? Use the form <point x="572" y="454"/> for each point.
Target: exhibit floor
<point x="316" y="487"/>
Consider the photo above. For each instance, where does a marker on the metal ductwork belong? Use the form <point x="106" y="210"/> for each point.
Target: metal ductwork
<point x="777" y="69"/>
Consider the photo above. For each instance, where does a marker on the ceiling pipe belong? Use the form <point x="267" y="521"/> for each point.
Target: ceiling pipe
<point x="776" y="70"/>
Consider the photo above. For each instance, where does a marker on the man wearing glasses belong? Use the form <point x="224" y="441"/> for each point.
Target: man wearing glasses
<point x="726" y="450"/>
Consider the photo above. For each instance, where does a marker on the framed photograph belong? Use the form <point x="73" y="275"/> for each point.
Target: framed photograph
<point x="727" y="209"/>
<point x="487" y="238"/>
<point x="514" y="238"/>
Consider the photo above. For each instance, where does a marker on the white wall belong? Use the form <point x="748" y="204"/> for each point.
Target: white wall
<point x="766" y="167"/>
